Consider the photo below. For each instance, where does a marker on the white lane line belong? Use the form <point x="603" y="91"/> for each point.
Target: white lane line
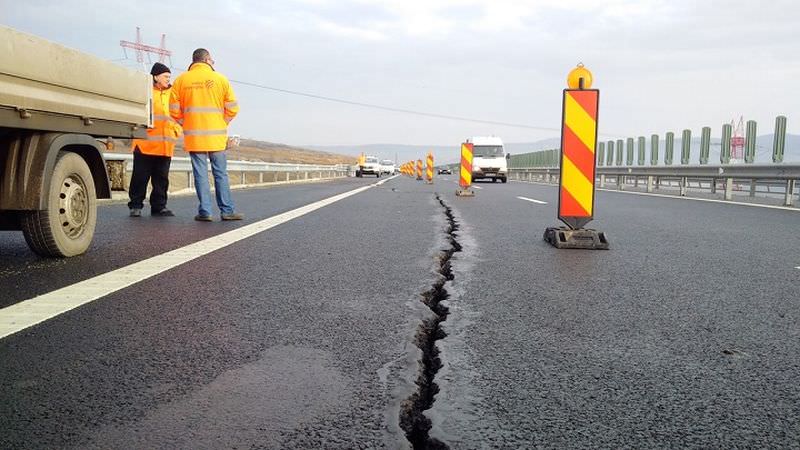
<point x="476" y="187"/>
<point x="30" y="312"/>
<point x="532" y="200"/>
<point x="676" y="197"/>
<point x="798" y="267"/>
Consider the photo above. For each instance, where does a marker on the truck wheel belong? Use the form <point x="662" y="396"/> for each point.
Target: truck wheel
<point x="66" y="227"/>
<point x="505" y="180"/>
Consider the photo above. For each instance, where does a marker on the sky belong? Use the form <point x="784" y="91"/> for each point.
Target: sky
<point x="660" y="65"/>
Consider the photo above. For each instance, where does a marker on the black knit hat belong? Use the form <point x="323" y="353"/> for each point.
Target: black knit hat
<point x="158" y="69"/>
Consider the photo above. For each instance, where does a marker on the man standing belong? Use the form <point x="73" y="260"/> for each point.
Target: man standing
<point x="152" y="156"/>
<point x="203" y="103"/>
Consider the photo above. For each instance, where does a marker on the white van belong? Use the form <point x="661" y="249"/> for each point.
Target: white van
<point x="488" y="158"/>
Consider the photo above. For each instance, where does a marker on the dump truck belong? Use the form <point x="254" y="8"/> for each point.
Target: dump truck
<point x="57" y="107"/>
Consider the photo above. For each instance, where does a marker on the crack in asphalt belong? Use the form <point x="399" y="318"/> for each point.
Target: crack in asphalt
<point x="412" y="418"/>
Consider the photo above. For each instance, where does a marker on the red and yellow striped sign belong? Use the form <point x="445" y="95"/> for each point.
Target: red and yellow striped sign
<point x="429" y="168"/>
<point x="578" y="139"/>
<point x="419" y="169"/>
<point x="466" y="166"/>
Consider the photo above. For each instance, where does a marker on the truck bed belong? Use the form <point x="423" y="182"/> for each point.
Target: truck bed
<point x="61" y="89"/>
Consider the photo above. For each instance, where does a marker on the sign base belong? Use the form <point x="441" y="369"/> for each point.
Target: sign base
<point x="582" y="238"/>
<point x="465" y="193"/>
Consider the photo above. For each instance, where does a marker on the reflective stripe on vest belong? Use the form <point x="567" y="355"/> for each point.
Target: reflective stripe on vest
<point x="163" y="117"/>
<point x="223" y="132"/>
<point x="161" y="139"/>
<point x="203" y="109"/>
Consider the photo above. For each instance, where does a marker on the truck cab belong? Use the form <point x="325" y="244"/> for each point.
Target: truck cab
<point x="488" y="158"/>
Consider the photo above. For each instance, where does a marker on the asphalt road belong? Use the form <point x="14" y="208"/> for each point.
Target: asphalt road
<point x="685" y="334"/>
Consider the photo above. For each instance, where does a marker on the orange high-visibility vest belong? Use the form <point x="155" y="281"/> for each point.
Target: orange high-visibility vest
<point x="165" y="133"/>
<point x="203" y="103"/>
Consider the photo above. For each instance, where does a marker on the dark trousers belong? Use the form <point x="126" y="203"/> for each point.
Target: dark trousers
<point x="149" y="168"/>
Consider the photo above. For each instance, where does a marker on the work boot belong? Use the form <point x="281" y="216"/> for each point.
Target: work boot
<point x="162" y="213"/>
<point x="232" y="216"/>
<point x="136" y="212"/>
<point x="200" y="218"/>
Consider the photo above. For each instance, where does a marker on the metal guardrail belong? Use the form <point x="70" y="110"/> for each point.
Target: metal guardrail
<point x="183" y="164"/>
<point x="241" y="172"/>
<point x="706" y="177"/>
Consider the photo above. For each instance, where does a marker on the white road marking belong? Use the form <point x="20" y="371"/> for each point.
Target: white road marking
<point x="30" y="312"/>
<point x="532" y="200"/>
<point x="476" y="187"/>
<point x="798" y="267"/>
<point x="676" y="197"/>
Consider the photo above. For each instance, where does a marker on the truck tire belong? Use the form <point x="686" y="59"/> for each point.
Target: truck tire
<point x="66" y="227"/>
<point x="504" y="179"/>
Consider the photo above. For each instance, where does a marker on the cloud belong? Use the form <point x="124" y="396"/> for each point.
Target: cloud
<point x="661" y="64"/>
<point x="347" y="31"/>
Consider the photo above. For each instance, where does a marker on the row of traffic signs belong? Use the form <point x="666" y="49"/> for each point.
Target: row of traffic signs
<point x="580" y="106"/>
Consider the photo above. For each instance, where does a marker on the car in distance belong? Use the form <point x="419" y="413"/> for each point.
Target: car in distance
<point x="387" y="166"/>
<point x="370" y="166"/>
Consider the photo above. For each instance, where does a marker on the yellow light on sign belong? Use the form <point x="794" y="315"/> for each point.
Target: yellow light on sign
<point x="575" y="76"/>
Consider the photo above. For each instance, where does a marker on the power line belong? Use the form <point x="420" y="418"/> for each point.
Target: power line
<point x="392" y="109"/>
<point x="397" y="110"/>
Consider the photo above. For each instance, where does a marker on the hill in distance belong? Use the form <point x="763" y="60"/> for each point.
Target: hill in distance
<point x="254" y="150"/>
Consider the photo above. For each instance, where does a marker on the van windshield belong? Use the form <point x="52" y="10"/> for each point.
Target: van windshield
<point x="487" y="151"/>
<point x="372" y="160"/>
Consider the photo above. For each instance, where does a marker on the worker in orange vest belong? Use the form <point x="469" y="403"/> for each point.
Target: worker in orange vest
<point x="203" y="102"/>
<point x="152" y="156"/>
